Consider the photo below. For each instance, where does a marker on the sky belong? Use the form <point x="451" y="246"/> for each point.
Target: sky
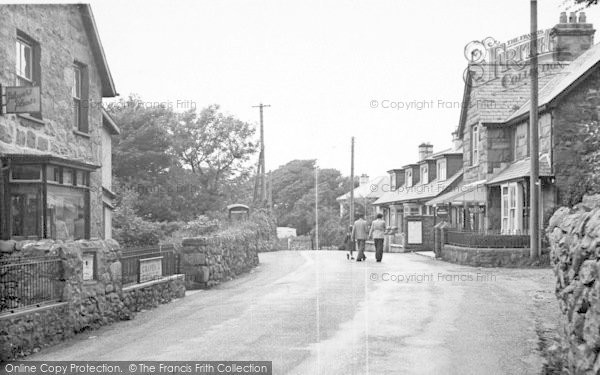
<point x="328" y="70"/>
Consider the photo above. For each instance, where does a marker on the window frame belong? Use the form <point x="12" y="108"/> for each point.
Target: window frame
<point x="511" y="208"/>
<point x="424" y="174"/>
<point x="36" y="70"/>
<point x="441" y="169"/>
<point x="14" y="187"/>
<point x="475" y="146"/>
<point x="408" y="178"/>
<point x="19" y="79"/>
<point x="80" y="98"/>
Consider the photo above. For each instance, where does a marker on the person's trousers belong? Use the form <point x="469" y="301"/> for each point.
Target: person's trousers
<point x="378" y="248"/>
<point x="361" y="249"/>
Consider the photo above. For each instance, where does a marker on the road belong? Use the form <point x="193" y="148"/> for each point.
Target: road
<point x="318" y="313"/>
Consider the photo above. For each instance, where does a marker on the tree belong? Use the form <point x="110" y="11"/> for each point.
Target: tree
<point x="215" y="146"/>
<point x="294" y="194"/>
<point x="588" y="3"/>
<point x="181" y="165"/>
<point x="141" y="151"/>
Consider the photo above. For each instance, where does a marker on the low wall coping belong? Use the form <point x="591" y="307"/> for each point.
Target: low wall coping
<point x="153" y="282"/>
<point x="29" y="310"/>
<point x="494" y="249"/>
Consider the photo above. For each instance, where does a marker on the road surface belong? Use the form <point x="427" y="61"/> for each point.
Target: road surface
<point x="318" y="313"/>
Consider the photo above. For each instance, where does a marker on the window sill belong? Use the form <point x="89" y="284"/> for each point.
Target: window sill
<point x="81" y="134"/>
<point x="31" y="118"/>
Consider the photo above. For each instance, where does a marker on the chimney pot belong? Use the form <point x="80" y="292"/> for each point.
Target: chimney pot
<point x="425" y="150"/>
<point x="572" y="18"/>
<point x="582" y="17"/>
<point x="563" y="17"/>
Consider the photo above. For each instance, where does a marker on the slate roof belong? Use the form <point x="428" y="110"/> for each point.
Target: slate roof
<point x="418" y="192"/>
<point x="375" y="188"/>
<point x="108" y="85"/>
<point x="494" y="102"/>
<point x="521" y="168"/>
<point x="563" y="81"/>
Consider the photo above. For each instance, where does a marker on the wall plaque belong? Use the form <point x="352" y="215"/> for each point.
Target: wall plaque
<point x="23" y="99"/>
<point x="89" y="260"/>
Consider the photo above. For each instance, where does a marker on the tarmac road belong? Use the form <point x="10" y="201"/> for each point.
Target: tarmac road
<point x="318" y="313"/>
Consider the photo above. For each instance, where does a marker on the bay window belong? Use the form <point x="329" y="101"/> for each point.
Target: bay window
<point x="47" y="201"/>
<point x="512" y="208"/>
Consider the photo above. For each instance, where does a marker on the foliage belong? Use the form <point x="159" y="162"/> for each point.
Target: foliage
<point x="294" y="193"/>
<point x="181" y="165"/>
<point x="588" y="3"/>
<point x="129" y="229"/>
<point x="213" y="145"/>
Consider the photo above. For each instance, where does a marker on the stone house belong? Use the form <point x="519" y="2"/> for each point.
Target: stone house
<point x="55" y="177"/>
<point x="405" y="204"/>
<point x="495" y="137"/>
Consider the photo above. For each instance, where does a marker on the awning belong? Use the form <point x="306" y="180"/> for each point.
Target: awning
<point x="520" y="169"/>
<point x="474" y="192"/>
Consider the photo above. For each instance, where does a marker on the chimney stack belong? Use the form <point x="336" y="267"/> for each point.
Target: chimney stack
<point x="425" y="150"/>
<point x="456" y="141"/>
<point x="571" y="38"/>
<point x="364" y="179"/>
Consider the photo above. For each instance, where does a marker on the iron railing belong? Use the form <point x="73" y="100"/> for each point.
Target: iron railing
<point x="30" y="282"/>
<point x="131" y="257"/>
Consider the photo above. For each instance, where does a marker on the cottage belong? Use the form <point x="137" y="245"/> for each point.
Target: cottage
<point x="496" y="141"/>
<point x="412" y="186"/>
<point x="55" y="152"/>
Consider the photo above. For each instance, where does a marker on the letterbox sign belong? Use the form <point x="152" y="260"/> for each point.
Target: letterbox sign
<point x="88" y="265"/>
<point x="150" y="269"/>
<point x="22" y="99"/>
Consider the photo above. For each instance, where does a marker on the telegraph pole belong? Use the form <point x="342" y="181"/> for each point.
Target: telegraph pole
<point x="534" y="180"/>
<point x="260" y="185"/>
<point x="352" y="182"/>
<point x="316" y="206"/>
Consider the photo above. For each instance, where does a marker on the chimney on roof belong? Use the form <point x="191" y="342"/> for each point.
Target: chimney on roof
<point x="456" y="142"/>
<point x="571" y="38"/>
<point x="425" y="150"/>
<point x="364" y="179"/>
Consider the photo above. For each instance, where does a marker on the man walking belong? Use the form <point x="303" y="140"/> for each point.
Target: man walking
<point x="377" y="234"/>
<point x="359" y="234"/>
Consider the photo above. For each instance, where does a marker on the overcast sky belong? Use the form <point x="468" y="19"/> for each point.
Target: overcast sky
<point x="318" y="64"/>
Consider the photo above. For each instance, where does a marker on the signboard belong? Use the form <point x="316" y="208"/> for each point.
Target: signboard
<point x="415" y="232"/>
<point x="150" y="269"/>
<point x="88" y="266"/>
<point x="22" y="99"/>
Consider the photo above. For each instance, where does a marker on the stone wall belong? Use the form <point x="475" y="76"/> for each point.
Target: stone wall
<point x="82" y="304"/>
<point x="207" y="261"/>
<point x="301" y="243"/>
<point x="578" y="108"/>
<point x="574" y="236"/>
<point x="489" y="257"/>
